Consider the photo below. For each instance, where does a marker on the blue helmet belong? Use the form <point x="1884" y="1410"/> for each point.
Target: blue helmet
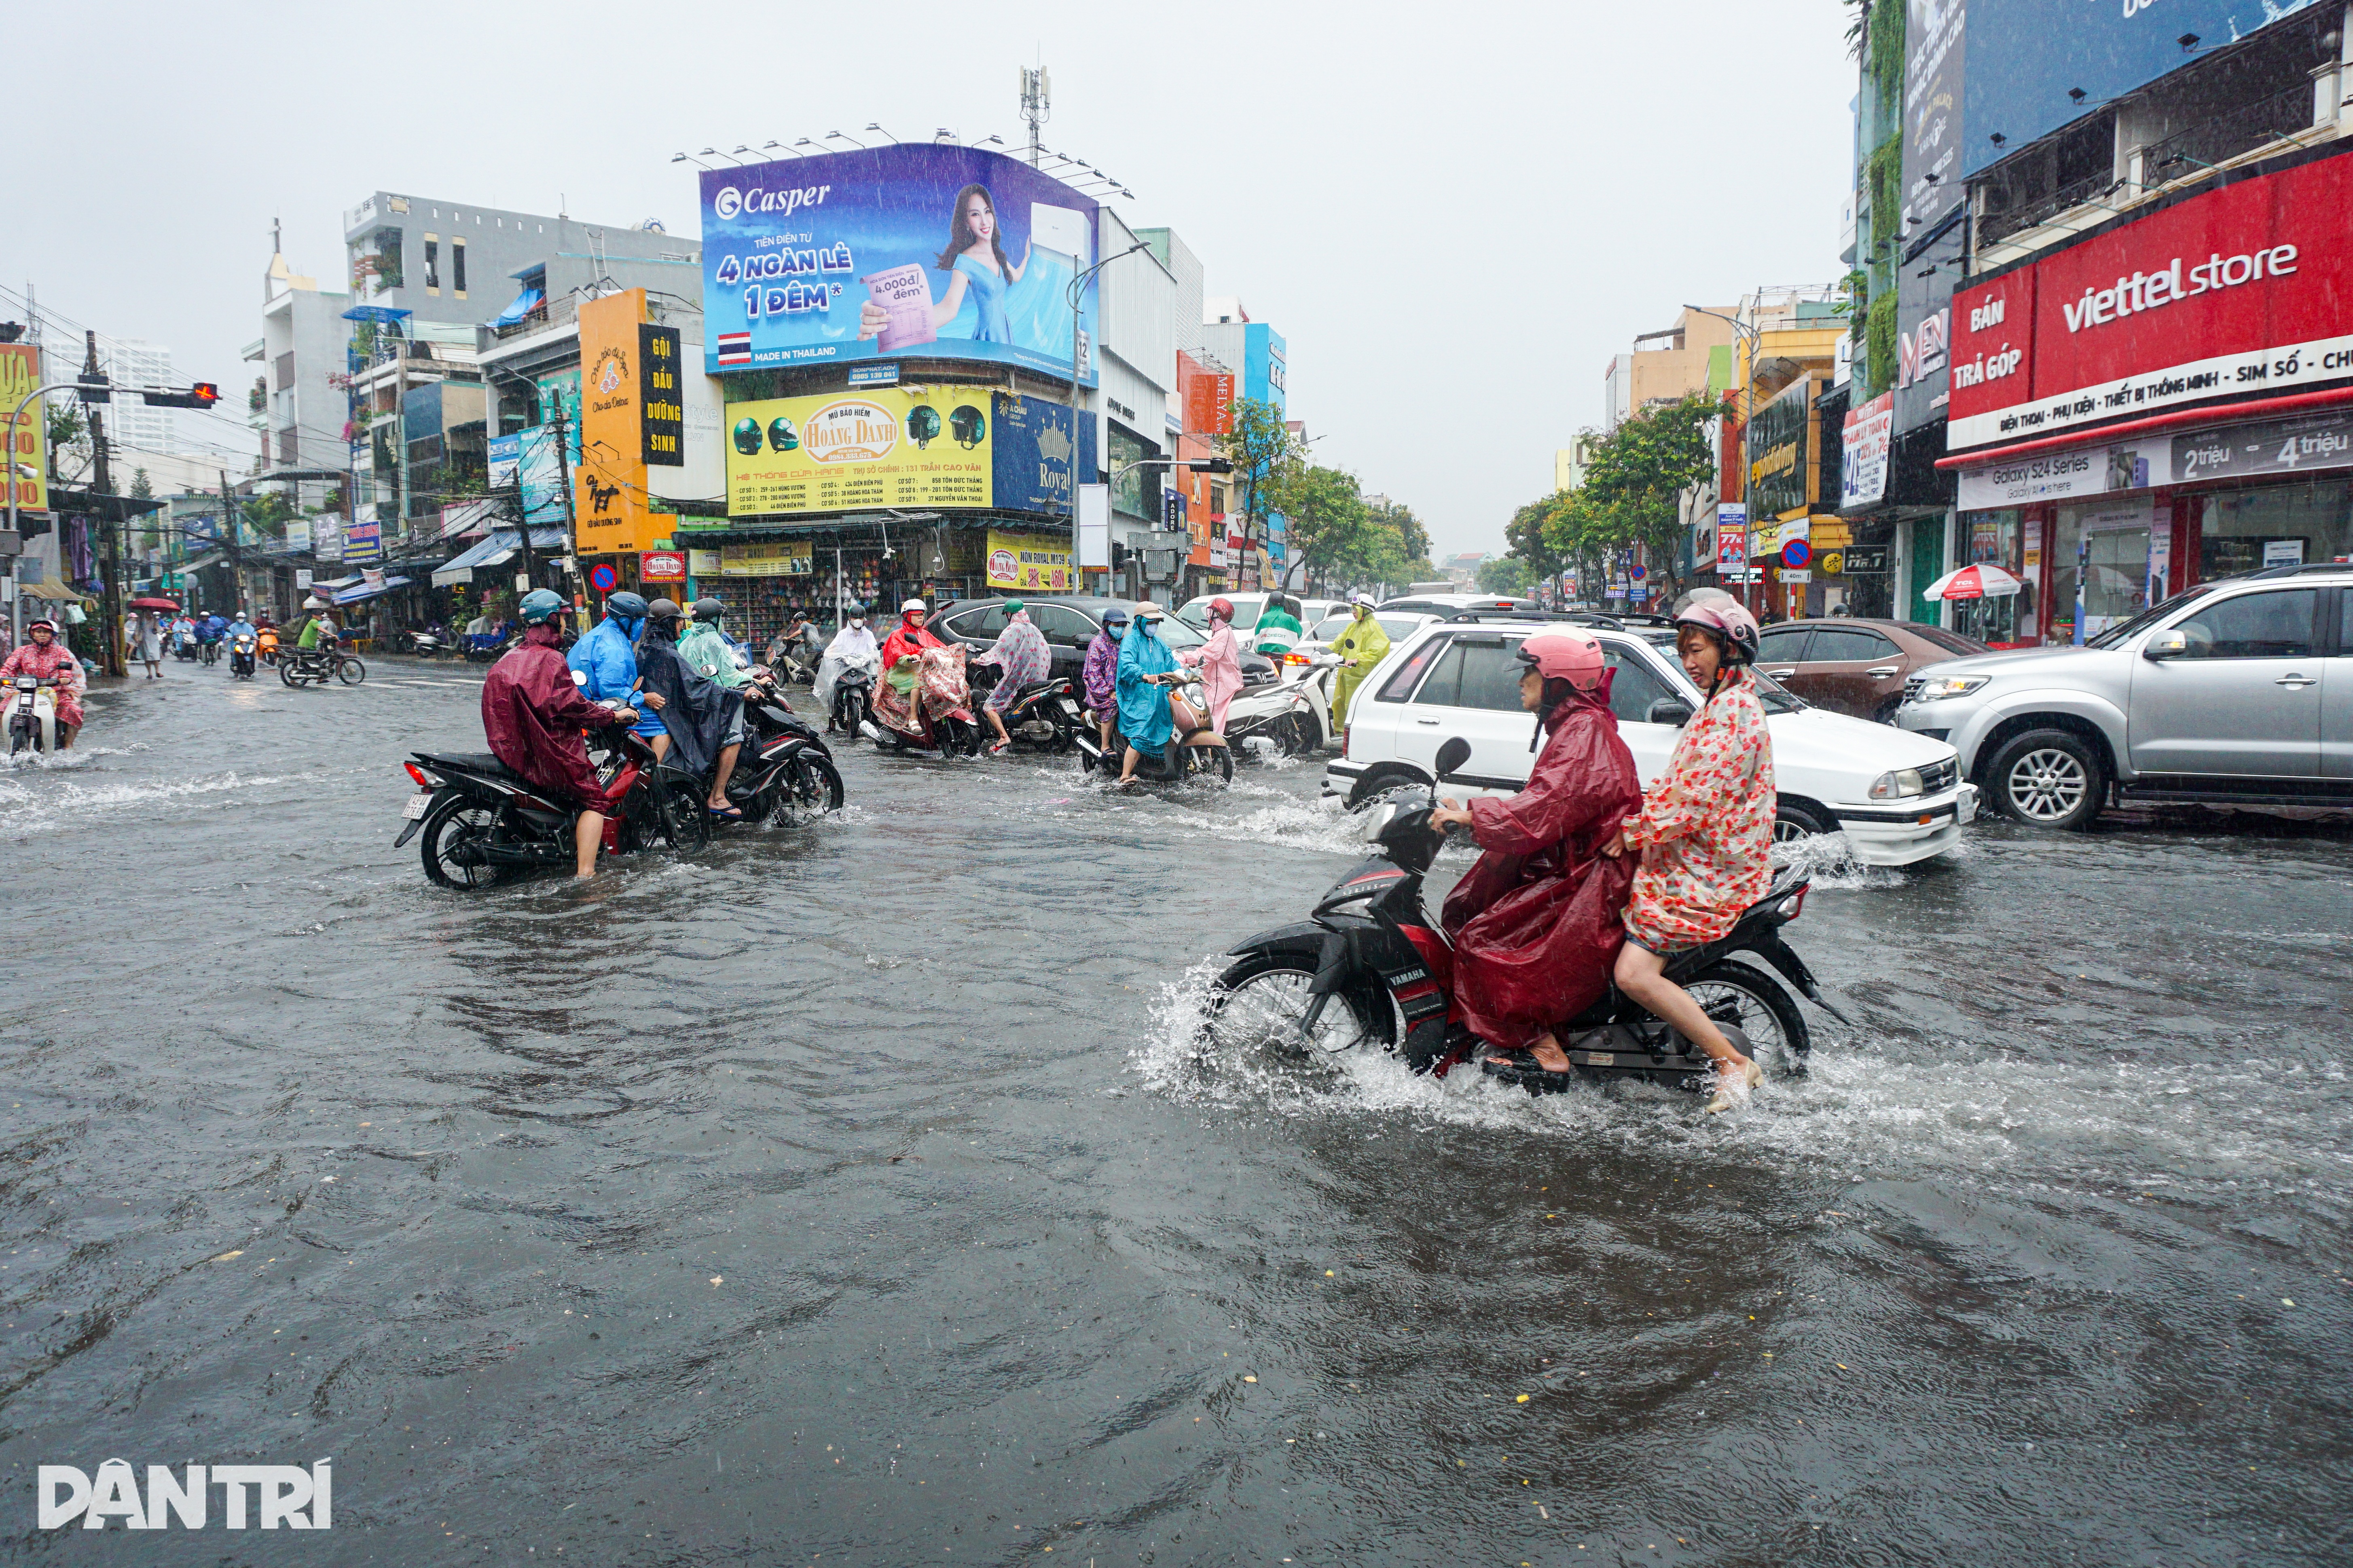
<point x="1114" y="617"/>
<point x="627" y="605"/>
<point x="542" y="605"/>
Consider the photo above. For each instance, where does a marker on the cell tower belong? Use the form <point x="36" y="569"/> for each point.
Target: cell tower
<point x="1036" y="104"/>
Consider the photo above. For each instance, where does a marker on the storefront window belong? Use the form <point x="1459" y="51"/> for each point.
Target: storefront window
<point x="1990" y="539"/>
<point x="2101" y="567"/>
<point x="2275" y="525"/>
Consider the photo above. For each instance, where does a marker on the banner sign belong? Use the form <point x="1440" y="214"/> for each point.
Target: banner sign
<point x="610" y="510"/>
<point x="911" y="446"/>
<point x="363" y="542"/>
<point x="1731" y="536"/>
<point x="529" y="456"/>
<point x="2238" y="291"/>
<point x="1863" y="464"/>
<point x="1032" y="466"/>
<point x="1040" y="563"/>
<point x="660" y="399"/>
<point x="1932" y="111"/>
<point x="921" y="249"/>
<point x="782" y="558"/>
<point x="1210" y="404"/>
<point x="2273" y="447"/>
<point x="662" y="566"/>
<point x="1779" y="447"/>
<point x="27" y="437"/>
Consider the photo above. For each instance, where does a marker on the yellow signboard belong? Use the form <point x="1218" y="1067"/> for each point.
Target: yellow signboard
<point x="780" y="557"/>
<point x="843" y="451"/>
<point x="609" y="503"/>
<point x="1040" y="563"/>
<point x="27" y="444"/>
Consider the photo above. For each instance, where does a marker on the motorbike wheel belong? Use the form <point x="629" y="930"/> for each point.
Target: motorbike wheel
<point x="808" y="787"/>
<point x="350" y="671"/>
<point x="457" y="820"/>
<point x="1753" y="1001"/>
<point x="681" y="809"/>
<point x="1257" y="1004"/>
<point x="286" y="673"/>
<point x="1209" y="761"/>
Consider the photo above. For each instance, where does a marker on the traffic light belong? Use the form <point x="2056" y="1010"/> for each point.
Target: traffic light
<point x="202" y="394"/>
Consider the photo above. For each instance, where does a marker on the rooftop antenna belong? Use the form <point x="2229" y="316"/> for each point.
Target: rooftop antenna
<point x="1036" y="104"/>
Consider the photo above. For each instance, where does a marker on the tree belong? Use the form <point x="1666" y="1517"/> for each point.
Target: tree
<point x="141" y="488"/>
<point x="1393" y="547"/>
<point x="1505" y="575"/>
<point x="1640" y="485"/>
<point x="1265" y="455"/>
<point x="1323" y="514"/>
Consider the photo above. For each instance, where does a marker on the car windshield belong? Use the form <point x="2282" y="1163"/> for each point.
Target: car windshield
<point x="2147" y="618"/>
<point x="1176" y="634"/>
<point x="1197" y="615"/>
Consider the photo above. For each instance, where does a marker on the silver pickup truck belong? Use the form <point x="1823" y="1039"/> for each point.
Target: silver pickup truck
<point x="2238" y="692"/>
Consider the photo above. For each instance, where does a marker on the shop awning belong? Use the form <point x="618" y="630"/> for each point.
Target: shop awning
<point x="468" y="517"/>
<point x="525" y="304"/>
<point x="49" y="588"/>
<point x="353" y="595"/>
<point x="338" y="582"/>
<point x="496" y="551"/>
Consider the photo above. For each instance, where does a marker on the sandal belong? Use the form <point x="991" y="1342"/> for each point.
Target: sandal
<point x="727" y="813"/>
<point x="1522" y="1071"/>
<point x="1729" y="1094"/>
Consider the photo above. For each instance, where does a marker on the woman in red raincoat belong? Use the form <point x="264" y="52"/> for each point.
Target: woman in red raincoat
<point x="1536" y="925"/>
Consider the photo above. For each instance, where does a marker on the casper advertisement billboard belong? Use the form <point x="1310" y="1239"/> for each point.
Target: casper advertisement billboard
<point x="2234" y="292"/>
<point x="933" y="447"/>
<point x="938" y="251"/>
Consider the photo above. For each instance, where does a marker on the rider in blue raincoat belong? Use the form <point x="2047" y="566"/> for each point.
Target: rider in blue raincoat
<point x="608" y="658"/>
<point x="1144" y="712"/>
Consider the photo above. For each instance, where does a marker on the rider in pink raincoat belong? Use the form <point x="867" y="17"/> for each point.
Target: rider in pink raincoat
<point x="1219" y="662"/>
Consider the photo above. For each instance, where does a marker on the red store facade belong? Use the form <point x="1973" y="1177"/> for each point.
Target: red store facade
<point x="2165" y="400"/>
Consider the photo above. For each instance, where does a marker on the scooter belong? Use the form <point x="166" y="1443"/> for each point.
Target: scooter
<point x="183" y="648"/>
<point x="1369" y="969"/>
<point x="1293" y="711"/>
<point x="209" y="649"/>
<point x="853" y="697"/>
<point x="1045" y="714"/>
<point x="953" y="733"/>
<point x="482" y="822"/>
<point x="241" y="655"/>
<point x="1180" y="761"/>
<point x="425" y="645"/>
<point x="33" y="715"/>
<point x="269" y="646"/>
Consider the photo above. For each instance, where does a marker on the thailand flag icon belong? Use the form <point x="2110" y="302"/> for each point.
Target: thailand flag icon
<point x="735" y="348"/>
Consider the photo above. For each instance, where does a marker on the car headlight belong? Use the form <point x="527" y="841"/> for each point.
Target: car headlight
<point x="1938" y="687"/>
<point x="1896" y="785"/>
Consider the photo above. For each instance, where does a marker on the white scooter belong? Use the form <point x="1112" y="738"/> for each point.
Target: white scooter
<point x="33" y="715"/>
<point x="1293" y="711"/>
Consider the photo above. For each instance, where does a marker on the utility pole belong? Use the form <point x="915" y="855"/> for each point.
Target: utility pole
<point x="228" y="537"/>
<point x="110" y="594"/>
<point x="1036" y="105"/>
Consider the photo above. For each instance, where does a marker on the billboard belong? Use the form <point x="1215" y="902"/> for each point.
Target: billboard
<point x="1932" y="62"/>
<point x="2027" y="56"/>
<point x="661" y="401"/>
<point x="528" y="456"/>
<point x="27" y="439"/>
<point x="936" y="250"/>
<point x="1038" y="562"/>
<point x="1779" y="447"/>
<point x="1034" y="452"/>
<point x="1863" y="458"/>
<point x="610" y="507"/>
<point x="921" y="447"/>
<point x="1210" y="404"/>
<point x="2238" y="291"/>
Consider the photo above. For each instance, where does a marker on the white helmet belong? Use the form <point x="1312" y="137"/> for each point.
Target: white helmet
<point x="1363" y="599"/>
<point x="314" y="602"/>
<point x="913" y="605"/>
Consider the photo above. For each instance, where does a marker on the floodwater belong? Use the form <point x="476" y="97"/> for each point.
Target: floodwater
<point x="854" y="1194"/>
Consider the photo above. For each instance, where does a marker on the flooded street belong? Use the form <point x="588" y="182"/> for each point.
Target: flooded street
<point x="854" y="1193"/>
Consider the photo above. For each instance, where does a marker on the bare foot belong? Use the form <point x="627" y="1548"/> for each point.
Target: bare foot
<point x="1549" y="1054"/>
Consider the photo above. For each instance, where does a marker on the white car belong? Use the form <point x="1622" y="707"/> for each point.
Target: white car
<point x="1194" y="613"/>
<point x="1397" y="625"/>
<point x="1898" y="795"/>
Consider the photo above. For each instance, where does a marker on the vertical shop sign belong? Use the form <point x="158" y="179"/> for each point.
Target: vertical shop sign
<point x="1209" y="405"/>
<point x="661" y="398"/>
<point x="29" y="454"/>
<point x="609" y="505"/>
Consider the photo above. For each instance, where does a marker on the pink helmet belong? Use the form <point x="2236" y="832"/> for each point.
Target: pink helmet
<point x="1571" y="656"/>
<point x="1713" y="610"/>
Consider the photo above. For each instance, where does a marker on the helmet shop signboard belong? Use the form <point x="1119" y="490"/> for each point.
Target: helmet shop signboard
<point x="941" y="251"/>
<point x="844" y="452"/>
<point x="1038" y="563"/>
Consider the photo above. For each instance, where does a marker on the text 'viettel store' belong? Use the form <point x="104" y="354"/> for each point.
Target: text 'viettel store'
<point x="2164" y="402"/>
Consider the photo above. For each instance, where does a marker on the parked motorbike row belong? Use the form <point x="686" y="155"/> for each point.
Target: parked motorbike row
<point x="474" y="647"/>
<point x="481" y="822"/>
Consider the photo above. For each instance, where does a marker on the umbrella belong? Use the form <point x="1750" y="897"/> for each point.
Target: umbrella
<point x="152" y="603"/>
<point x="1978" y="581"/>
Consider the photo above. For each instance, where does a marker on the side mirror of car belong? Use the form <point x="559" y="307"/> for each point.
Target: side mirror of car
<point x="1669" y="710"/>
<point x="2165" y="646"/>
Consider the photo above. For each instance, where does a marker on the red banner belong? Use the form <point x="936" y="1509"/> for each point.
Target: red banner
<point x="2240" y="291"/>
<point x="1209" y="405"/>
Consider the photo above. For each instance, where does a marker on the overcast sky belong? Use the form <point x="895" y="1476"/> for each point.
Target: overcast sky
<point x="1455" y="213"/>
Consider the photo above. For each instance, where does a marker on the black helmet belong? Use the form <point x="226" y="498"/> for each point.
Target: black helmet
<point x="969" y="427"/>
<point x="663" y="610"/>
<point x="922" y="424"/>
<point x="708" y="608"/>
<point x="627" y="605"/>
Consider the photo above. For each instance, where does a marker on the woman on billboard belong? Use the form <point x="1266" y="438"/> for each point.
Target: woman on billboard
<point x="975" y="260"/>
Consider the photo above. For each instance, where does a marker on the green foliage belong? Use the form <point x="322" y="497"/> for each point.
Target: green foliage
<point x="141" y="488"/>
<point x="1879" y="345"/>
<point x="1506" y="575"/>
<point x="1883" y="57"/>
<point x="1636" y="488"/>
<point x="1265" y="455"/>
<point x="1322" y="516"/>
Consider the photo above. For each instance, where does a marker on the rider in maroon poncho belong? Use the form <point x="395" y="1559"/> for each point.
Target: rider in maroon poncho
<point x="534" y="715"/>
<point x="1535" y="924"/>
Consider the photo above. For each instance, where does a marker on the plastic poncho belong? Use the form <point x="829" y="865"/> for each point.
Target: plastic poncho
<point x="1144" y="713"/>
<point x="697" y="711"/>
<point x="1276" y="633"/>
<point x="1366" y="645"/>
<point x="1220" y="665"/>
<point x="533" y="716"/>
<point x="56" y="663"/>
<point x="1020" y="652"/>
<point x="1101" y="674"/>
<point x="705" y="644"/>
<point x="1706" y="828"/>
<point x="608" y="656"/>
<point x="1535" y="923"/>
<point x="907" y="640"/>
<point x="851" y="645"/>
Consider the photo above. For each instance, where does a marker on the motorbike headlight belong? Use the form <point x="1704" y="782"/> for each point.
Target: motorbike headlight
<point x="1896" y="785"/>
<point x="1377" y="821"/>
<point x="1938" y="687"/>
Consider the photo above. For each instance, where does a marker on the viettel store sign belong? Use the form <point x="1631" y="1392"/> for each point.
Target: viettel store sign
<point x="2240" y="291"/>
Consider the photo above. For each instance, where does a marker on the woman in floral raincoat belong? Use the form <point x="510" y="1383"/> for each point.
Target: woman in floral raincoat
<point x="1705" y="832"/>
<point x="45" y="658"/>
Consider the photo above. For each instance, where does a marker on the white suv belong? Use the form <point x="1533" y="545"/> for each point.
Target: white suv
<point x="1898" y="796"/>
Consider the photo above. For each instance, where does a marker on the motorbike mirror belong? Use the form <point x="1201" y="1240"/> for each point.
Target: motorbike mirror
<point x="1668" y="710"/>
<point x="1450" y="756"/>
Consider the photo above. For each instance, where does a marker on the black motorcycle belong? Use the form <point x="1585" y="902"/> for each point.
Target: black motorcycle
<point x="241" y="659"/>
<point x="308" y="665"/>
<point x="482" y="822"/>
<point x="853" y="700"/>
<point x="1043" y="715"/>
<point x="785" y="768"/>
<point x="209" y="649"/>
<point x="1370" y="969"/>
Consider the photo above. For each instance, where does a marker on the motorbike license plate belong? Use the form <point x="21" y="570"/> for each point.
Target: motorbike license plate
<point x="1597" y="1059"/>
<point x="414" y="809"/>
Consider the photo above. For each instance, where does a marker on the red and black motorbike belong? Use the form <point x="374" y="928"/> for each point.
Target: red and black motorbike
<point x="482" y="822"/>
<point x="1043" y="715"/>
<point x="1370" y="970"/>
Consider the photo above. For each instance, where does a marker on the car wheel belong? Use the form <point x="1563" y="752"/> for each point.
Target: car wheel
<point x="2049" y="778"/>
<point x="1792" y="821"/>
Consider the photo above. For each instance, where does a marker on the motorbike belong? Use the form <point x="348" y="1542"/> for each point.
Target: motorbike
<point x="307" y="666"/>
<point x="33" y="715"/>
<point x="482" y="822"/>
<point x="241" y="655"/>
<point x="946" y="727"/>
<point x="1045" y="714"/>
<point x="1176" y="762"/>
<point x="183" y="648"/>
<point x="484" y="648"/>
<point x="1369" y="970"/>
<point x="1291" y="711"/>
<point x="209" y="649"/>
<point x="268" y="639"/>
<point x="853" y="697"/>
<point x="786" y="767"/>
<point x="425" y="645"/>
